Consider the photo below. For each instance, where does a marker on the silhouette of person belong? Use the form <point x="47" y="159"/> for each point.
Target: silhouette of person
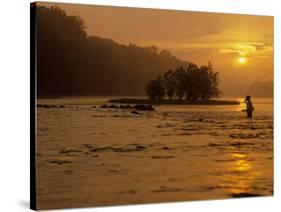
<point x="250" y="108"/>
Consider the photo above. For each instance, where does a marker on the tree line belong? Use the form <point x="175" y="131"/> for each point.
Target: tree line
<point x="192" y="83"/>
<point x="71" y="62"/>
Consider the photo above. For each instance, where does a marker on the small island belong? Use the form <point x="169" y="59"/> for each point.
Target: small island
<point x="192" y="85"/>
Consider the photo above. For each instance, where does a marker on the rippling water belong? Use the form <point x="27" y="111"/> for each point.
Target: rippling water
<point x="89" y="156"/>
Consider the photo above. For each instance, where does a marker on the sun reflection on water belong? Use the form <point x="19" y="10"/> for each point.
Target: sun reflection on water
<point x="240" y="175"/>
<point x="241" y="164"/>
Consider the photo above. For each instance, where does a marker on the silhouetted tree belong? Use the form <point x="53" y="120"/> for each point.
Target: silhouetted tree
<point x="214" y="90"/>
<point x="190" y="81"/>
<point x="169" y="83"/>
<point x="180" y="82"/>
<point x="155" y="88"/>
<point x="196" y="83"/>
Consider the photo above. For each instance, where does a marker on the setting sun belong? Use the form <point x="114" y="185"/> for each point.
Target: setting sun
<point x="242" y="60"/>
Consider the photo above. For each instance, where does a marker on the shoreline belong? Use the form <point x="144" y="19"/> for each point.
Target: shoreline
<point x="173" y="102"/>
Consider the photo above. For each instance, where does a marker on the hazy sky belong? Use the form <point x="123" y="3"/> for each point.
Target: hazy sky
<point x="240" y="47"/>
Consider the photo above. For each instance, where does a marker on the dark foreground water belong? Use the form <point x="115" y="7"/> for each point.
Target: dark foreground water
<point x="88" y="156"/>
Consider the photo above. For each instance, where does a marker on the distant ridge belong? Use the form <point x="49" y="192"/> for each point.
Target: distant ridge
<point x="72" y="63"/>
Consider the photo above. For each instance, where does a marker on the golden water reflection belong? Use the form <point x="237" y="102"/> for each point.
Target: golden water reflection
<point x="241" y="164"/>
<point x="240" y="175"/>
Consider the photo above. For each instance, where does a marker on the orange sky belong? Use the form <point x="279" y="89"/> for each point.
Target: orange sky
<point x="192" y="36"/>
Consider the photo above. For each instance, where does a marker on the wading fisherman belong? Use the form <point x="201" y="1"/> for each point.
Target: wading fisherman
<point x="250" y="108"/>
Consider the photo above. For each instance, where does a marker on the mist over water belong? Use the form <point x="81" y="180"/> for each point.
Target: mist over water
<point x="95" y="156"/>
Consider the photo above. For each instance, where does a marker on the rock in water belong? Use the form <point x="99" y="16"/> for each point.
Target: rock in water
<point x="135" y="112"/>
<point x="144" y="107"/>
<point x="140" y="147"/>
<point x="136" y="107"/>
